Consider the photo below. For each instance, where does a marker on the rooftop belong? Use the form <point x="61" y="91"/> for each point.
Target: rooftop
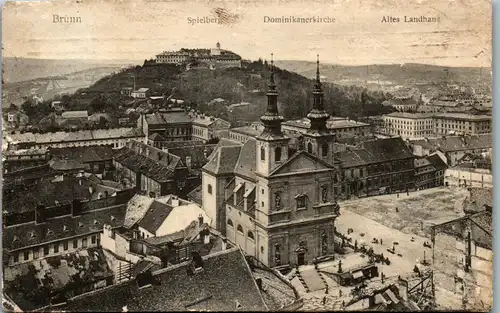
<point x="82" y="135"/>
<point x="225" y="284"/>
<point x="409" y="115"/>
<point x="456" y="143"/>
<point x="332" y="123"/>
<point x="463" y="116"/>
<point x="75" y="114"/>
<point x="32" y="234"/>
<point x="170" y="117"/>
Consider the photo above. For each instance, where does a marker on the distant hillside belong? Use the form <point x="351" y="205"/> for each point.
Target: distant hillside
<point x="247" y="84"/>
<point x="21" y="69"/>
<point x="406" y="74"/>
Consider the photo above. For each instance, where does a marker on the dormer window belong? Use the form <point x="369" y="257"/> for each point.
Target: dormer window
<point x="65" y="228"/>
<point x="49" y="232"/>
<point x="15" y="239"/>
<point x="96" y="222"/>
<point x="113" y="218"/>
<point x="80" y="224"/>
<point x="32" y="235"/>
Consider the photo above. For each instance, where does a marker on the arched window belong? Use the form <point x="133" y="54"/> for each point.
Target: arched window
<point x="262" y="154"/>
<point x="324" y="150"/>
<point x="277" y="154"/>
<point x="240" y="229"/>
<point x="250" y="235"/>
<point x="230" y="223"/>
<point x="277" y="254"/>
<point x="210" y="189"/>
<point x="310" y="147"/>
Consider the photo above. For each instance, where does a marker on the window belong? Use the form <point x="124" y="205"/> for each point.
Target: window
<point x="262" y="154"/>
<point x="210" y="189"/>
<point x="261" y="249"/>
<point x="26" y="255"/>
<point x="301" y="201"/>
<point x="46" y="250"/>
<point x="277" y="154"/>
<point x="56" y="248"/>
<point x="250" y="235"/>
<point x="240" y="229"/>
<point x="84" y="242"/>
<point x="16" y="257"/>
<point x="324" y="150"/>
<point x="65" y="246"/>
<point x="75" y="244"/>
<point x="230" y="223"/>
<point x="310" y="147"/>
<point x="36" y="253"/>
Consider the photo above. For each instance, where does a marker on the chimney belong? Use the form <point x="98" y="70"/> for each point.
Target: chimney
<point x="259" y="283"/>
<point x="76" y="207"/>
<point x="40" y="216"/>
<point x="175" y="201"/>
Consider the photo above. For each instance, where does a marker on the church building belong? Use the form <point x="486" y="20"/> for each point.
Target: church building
<point x="277" y="204"/>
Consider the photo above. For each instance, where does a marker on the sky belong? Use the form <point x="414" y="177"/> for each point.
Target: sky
<point x="139" y="29"/>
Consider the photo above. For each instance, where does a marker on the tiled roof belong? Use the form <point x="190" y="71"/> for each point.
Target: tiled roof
<point x="421" y="162"/>
<point x="247" y="130"/>
<point x="43" y="192"/>
<point x="457" y="143"/>
<point x="375" y="151"/>
<point x="136" y="208"/>
<point x="155" y="216"/>
<point x="437" y="162"/>
<point x="246" y="160"/>
<point x="32" y="234"/>
<point x="463" y="116"/>
<point x="225" y="282"/>
<point x="83" y="154"/>
<point x="66" y="165"/>
<point x="199" y="154"/>
<point x="409" y="115"/>
<point x="81" y="135"/>
<point x="173" y="117"/>
<point x="479" y="199"/>
<point x="151" y="162"/>
<point x="156" y="137"/>
<point x="35" y="172"/>
<point x="223" y="160"/>
<point x="196" y="195"/>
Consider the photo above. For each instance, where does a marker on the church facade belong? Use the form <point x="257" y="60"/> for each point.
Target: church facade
<point x="279" y="205"/>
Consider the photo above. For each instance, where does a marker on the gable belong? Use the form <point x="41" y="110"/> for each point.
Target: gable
<point x="301" y="162"/>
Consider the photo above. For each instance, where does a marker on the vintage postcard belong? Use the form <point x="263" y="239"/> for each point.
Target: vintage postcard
<point x="247" y="155"/>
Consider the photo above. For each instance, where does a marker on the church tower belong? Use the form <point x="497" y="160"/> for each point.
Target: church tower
<point x="318" y="138"/>
<point x="272" y="145"/>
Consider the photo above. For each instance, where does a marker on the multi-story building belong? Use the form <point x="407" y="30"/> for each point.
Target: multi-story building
<point x="461" y="123"/>
<point x="425" y="174"/>
<point x="376" y="167"/>
<point x="115" y="137"/>
<point x="95" y="159"/>
<point x="208" y="127"/>
<point x="244" y="133"/>
<point x="408" y="125"/>
<point x="277" y="207"/>
<point x="63" y="228"/>
<point x="453" y="148"/>
<point x="141" y="93"/>
<point x="339" y="126"/>
<point x="172" y="124"/>
<point x="14" y="160"/>
<point x="440" y="167"/>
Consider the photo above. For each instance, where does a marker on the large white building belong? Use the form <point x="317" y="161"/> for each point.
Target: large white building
<point x="408" y="125"/>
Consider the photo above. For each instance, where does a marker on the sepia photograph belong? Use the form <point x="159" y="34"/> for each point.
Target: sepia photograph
<point x="247" y="155"/>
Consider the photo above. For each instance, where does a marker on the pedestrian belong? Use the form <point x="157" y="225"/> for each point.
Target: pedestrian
<point x="340" y="293"/>
<point x="343" y="303"/>
<point x="398" y="195"/>
<point x="324" y="300"/>
<point x="397" y="210"/>
<point x="380" y="240"/>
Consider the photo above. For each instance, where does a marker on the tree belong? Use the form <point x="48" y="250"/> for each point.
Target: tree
<point x="97" y="104"/>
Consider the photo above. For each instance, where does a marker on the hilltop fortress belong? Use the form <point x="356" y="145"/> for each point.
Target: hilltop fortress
<point x="193" y="58"/>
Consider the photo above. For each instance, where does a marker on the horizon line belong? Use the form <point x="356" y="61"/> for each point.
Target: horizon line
<point x="243" y="59"/>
